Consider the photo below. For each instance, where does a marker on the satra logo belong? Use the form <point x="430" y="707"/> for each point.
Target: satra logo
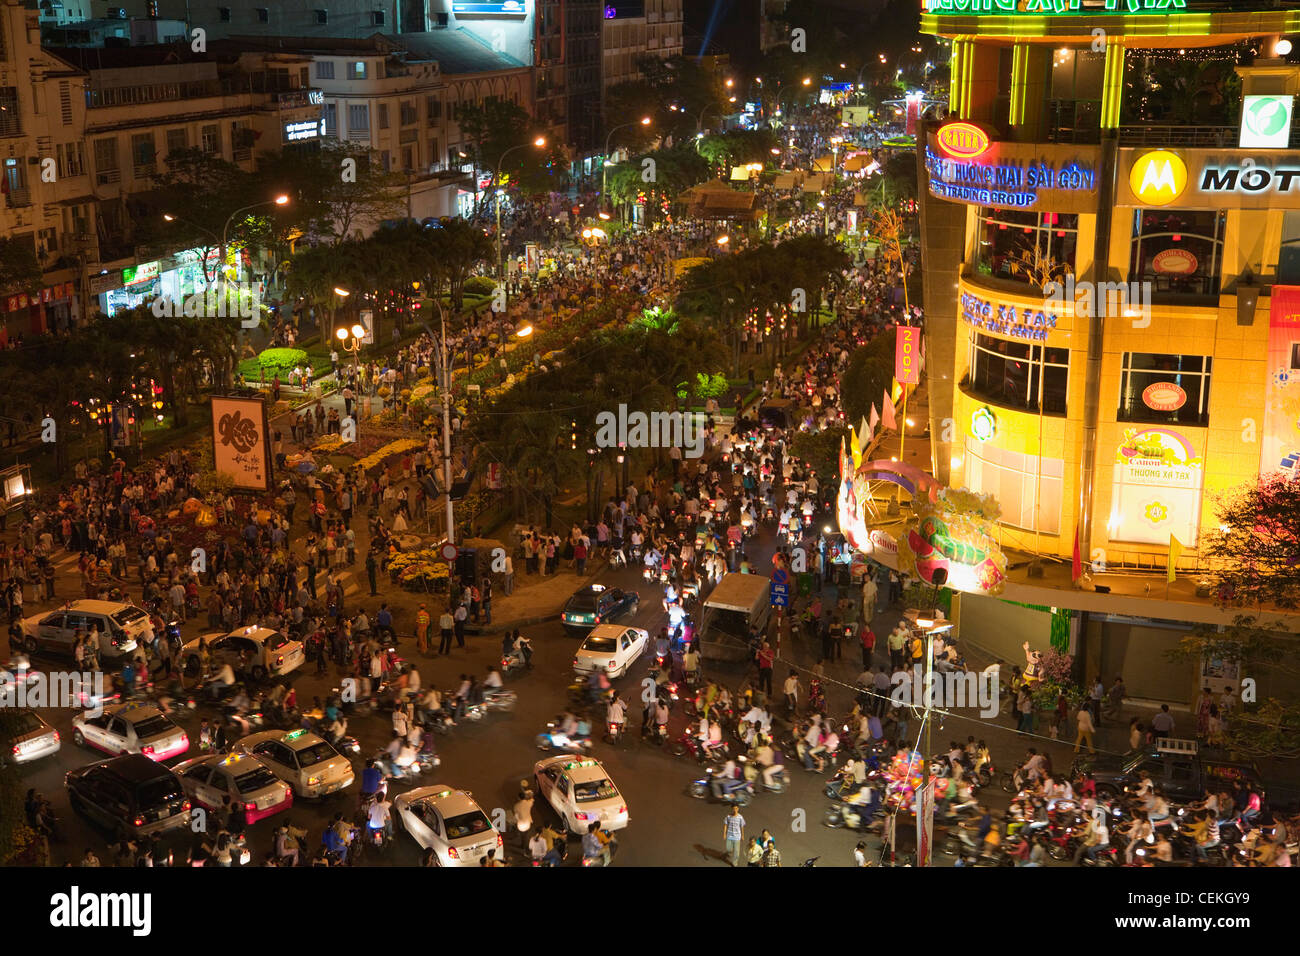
<point x="963" y="140"/>
<point x="1158" y="177"/>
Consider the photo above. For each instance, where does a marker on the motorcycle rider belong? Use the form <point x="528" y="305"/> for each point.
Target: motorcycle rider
<point x="616" y="713"/>
<point x="727" y="781"/>
<point x="524" y="648"/>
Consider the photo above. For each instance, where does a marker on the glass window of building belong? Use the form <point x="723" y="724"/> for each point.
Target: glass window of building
<point x="330" y="114"/>
<point x="1017" y="245"/>
<point x="1164" y="389"/>
<point x="358" y="120"/>
<point x="324" y="69"/>
<point x="177" y="140"/>
<point x="357" y="70"/>
<point x="1019" y="482"/>
<point x="1018" y="375"/>
<point x="1178" y="251"/>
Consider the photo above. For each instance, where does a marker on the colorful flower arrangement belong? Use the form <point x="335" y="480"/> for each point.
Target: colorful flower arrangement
<point x="387" y="451"/>
<point x="420" y="570"/>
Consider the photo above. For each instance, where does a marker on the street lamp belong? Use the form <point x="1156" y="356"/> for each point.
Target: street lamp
<point x="350" y="341"/>
<point x="604" y="169"/>
<point x="539" y="142"/>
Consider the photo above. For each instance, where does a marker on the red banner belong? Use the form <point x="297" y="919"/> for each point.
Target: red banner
<point x="907" y="367"/>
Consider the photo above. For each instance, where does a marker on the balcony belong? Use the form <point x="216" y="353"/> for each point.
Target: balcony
<point x="292" y="99"/>
<point x="1186" y="137"/>
<point x="19" y="198"/>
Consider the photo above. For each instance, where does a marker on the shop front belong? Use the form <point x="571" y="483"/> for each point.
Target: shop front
<point x="174" y="277"/>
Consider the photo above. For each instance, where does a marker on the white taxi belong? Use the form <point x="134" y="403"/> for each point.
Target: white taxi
<point x="580" y="791"/>
<point x="303" y="760"/>
<point x="218" y="782"/>
<point x="612" y="648"/>
<point x="448" y="822"/>
<point x="130" y="729"/>
<point x="262" y="651"/>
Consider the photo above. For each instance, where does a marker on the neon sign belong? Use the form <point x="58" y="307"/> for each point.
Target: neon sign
<point x="1005" y="319"/>
<point x="1008" y="183"/>
<point x="1049" y="8"/>
<point x="963" y="140"/>
<point x="1250" y="179"/>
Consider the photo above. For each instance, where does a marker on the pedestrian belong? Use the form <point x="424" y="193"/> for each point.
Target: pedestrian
<point x="1094" y="700"/>
<point x="446" y="624"/>
<point x="733" y="833"/>
<point x="771" y="855"/>
<point x="372" y="567"/>
<point x="1086" y="730"/>
<point x="1162" y="724"/>
<point x="422" y="629"/>
<point x="485" y="601"/>
<point x="754" y="852"/>
<point x="868" y="639"/>
<point x="508" y="576"/>
<point x="1115" y="698"/>
<point x="765" y="658"/>
<point x="458" y="624"/>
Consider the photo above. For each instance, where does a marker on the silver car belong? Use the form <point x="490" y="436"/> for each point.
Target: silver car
<point x="33" y="739"/>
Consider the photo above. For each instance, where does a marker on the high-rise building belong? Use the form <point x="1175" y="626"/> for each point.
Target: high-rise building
<point x="1111" y="296"/>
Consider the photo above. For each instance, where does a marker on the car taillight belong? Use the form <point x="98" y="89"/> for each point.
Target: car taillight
<point x="138" y="821"/>
<point x="622" y="811"/>
<point x="500" y="842"/>
<point x="147" y="751"/>
<point x="250" y="807"/>
<point x="579" y="816"/>
<point x="279" y="660"/>
<point x="597" y="618"/>
<point x="56" y="736"/>
<point x="186" y="805"/>
<point x="452" y="854"/>
<point x="16" y="748"/>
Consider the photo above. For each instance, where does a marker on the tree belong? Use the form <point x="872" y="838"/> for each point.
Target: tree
<point x="496" y="126"/>
<point x="1256" y="549"/>
<point x="20" y="270"/>
<point x="821" y="450"/>
<point x="679" y="93"/>
<point x="338" y="191"/>
<point x="674" y="171"/>
<point x="739" y="147"/>
<point x="456" y="250"/>
<point x="1267" y="728"/>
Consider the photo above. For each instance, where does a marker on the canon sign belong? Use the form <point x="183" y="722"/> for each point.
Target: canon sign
<point x="1249" y="179"/>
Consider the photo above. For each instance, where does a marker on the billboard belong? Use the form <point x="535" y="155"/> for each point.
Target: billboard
<point x="240" y="445"/>
<point x="1266" y="122"/>
<point x="965" y="164"/>
<point x="1209" y="178"/>
<point x="1158" y="476"/>
<point x="906" y="369"/>
<point x="1281" y="444"/>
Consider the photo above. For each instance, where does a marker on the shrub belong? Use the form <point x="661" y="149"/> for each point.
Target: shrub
<point x="281" y="359"/>
<point x="480" y="285"/>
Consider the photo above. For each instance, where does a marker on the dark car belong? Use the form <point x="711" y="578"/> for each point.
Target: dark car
<point x="597" y="604"/>
<point x="1179" y="768"/>
<point x="129" y="795"/>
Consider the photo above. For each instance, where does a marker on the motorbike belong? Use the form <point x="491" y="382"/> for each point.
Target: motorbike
<point x="719" y="790"/>
<point x="688" y="743"/>
<point x="614" y="732"/>
<point x="554" y="739"/>
<point x="500" y="700"/>
<point x="515" y="662"/>
<point x="851" y="816"/>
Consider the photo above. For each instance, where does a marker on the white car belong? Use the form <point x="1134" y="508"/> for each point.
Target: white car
<point x="303" y="760"/>
<point x="218" y="782"/>
<point x="612" y="648"/>
<point x="580" y="791"/>
<point x="261" y="650"/>
<point x="120" y="627"/>
<point x="32" y="739"/>
<point x="449" y="822"/>
<point x="131" y="729"/>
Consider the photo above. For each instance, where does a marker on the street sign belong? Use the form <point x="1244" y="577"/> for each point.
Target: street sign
<point x="779" y="594"/>
<point x="449" y="552"/>
<point x="781" y="576"/>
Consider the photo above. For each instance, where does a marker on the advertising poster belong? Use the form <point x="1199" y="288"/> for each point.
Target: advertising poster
<point x="906" y="362"/>
<point x="240" y="445"/>
<point x="1158" y="476"/>
<point x="1280" y="449"/>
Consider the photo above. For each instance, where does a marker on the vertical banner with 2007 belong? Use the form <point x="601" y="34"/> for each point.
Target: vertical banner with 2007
<point x="240" y="447"/>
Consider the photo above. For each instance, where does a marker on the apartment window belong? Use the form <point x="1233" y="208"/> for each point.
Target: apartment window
<point x="1018" y="481"/>
<point x="15" y="183"/>
<point x="409" y="117"/>
<point x="47" y="241"/>
<point x="71" y="159"/>
<point x="358" y="120"/>
<point x="1183" y="381"/>
<point x="263" y="15"/>
<point x="210" y="139"/>
<point x="322" y="16"/>
<point x="10" y="121"/>
<point x="325" y="70"/>
<point x="377" y="18"/>
<point x="223" y="14"/>
<point x="1179" y="251"/>
<point x="331" y="116"/>
<point x="1011" y="243"/>
<point x="408" y="157"/>
<point x="383" y="115"/>
<point x="142" y="153"/>
<point x="433" y="151"/>
<point x="386" y="161"/>
<point x="65" y="102"/>
<point x="1019" y="375"/>
<point x="177" y="139"/>
<point x="106" y="154"/>
<point x="432" y="108"/>
<point x="357" y="70"/>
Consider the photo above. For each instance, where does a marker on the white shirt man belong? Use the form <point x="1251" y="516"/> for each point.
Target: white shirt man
<point x="493" y="680"/>
<point x="380" y="812"/>
<point x="617" y="713"/>
<point x="759" y="714"/>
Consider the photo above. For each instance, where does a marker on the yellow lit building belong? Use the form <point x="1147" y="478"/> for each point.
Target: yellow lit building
<point x="1112" y="282"/>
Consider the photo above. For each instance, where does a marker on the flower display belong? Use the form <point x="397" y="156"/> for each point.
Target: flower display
<point x="387" y="451"/>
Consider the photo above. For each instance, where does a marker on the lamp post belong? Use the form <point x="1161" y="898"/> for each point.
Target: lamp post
<point x="604" y="166"/>
<point x="350" y="341"/>
<point x="539" y="142"/>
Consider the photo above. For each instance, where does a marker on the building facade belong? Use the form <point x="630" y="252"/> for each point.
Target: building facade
<point x="634" y="29"/>
<point x="1112" y="325"/>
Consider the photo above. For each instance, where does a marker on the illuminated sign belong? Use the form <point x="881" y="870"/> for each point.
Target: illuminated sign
<point x="1157" y="488"/>
<point x="141" y="273"/>
<point x="1266" y="122"/>
<point x="1250" y="178"/>
<point x="1006" y="319"/>
<point x="1050" y="8"/>
<point x="316" y="97"/>
<point x="1174" y="262"/>
<point x="509" y="8"/>
<point x="906" y="368"/>
<point x="1158" y="177"/>
<point x="983" y="423"/>
<point x="310" y="129"/>
<point x="1013" y="183"/>
<point x="963" y="140"/>
<point x="1164" y="396"/>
